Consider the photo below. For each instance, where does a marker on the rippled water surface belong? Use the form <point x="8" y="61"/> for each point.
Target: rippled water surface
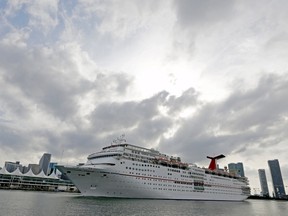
<point x="24" y="203"/>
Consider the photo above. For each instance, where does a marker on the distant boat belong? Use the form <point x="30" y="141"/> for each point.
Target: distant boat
<point x="128" y="171"/>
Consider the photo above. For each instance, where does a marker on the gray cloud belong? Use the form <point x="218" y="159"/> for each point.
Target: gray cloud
<point x="46" y="82"/>
<point x="111" y="85"/>
<point x="12" y="139"/>
<point x="259" y="107"/>
<point x="49" y="78"/>
<point x="11" y="104"/>
<point x="127" y="114"/>
<point x="142" y="121"/>
<point x="25" y="145"/>
<point x="188" y="98"/>
<point x="257" y="117"/>
<point x="195" y="13"/>
<point x="246" y="119"/>
<point x="38" y="74"/>
<point x="200" y="22"/>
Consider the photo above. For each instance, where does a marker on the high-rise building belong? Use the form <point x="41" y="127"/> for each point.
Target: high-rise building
<point x="277" y="181"/>
<point x="236" y="168"/>
<point x="263" y="183"/>
<point x="52" y="168"/>
<point x="44" y="162"/>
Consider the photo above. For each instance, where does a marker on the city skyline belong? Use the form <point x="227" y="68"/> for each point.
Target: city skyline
<point x="190" y="78"/>
<point x="236" y="168"/>
<point x="256" y="188"/>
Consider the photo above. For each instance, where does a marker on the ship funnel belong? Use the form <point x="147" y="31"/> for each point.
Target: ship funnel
<point x="213" y="163"/>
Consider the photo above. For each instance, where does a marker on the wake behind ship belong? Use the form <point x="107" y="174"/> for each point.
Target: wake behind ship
<point x="128" y="171"/>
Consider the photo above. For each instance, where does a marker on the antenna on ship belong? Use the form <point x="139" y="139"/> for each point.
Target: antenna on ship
<point x="61" y="156"/>
<point x="119" y="140"/>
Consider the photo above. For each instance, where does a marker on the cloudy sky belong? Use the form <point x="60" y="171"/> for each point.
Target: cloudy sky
<point x="190" y="78"/>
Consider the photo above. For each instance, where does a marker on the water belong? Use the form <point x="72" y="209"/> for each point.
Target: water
<point x="27" y="203"/>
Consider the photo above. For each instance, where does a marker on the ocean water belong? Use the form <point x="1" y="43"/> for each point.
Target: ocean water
<point x="27" y="203"/>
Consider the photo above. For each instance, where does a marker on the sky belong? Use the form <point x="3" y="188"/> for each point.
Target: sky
<point x="189" y="78"/>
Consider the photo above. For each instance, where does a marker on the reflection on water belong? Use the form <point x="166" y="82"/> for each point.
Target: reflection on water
<point x="24" y="203"/>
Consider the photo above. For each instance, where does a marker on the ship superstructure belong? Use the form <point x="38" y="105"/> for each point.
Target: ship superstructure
<point x="129" y="171"/>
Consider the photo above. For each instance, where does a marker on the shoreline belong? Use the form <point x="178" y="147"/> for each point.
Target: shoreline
<point x="266" y="198"/>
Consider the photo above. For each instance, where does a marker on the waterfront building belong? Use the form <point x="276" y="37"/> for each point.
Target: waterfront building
<point x="44" y="163"/>
<point x="277" y="181"/>
<point x="263" y="183"/>
<point x="30" y="181"/>
<point x="236" y="168"/>
<point x="15" y="176"/>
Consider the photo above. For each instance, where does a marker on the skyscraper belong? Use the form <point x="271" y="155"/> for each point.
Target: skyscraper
<point x="263" y="183"/>
<point x="44" y="162"/>
<point x="277" y="181"/>
<point x="236" y="168"/>
<point x="52" y="168"/>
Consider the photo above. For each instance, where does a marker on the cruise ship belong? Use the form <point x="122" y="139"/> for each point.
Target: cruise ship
<point x="128" y="171"/>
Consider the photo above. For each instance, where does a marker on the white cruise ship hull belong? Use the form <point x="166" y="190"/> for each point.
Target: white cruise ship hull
<point x="130" y="179"/>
